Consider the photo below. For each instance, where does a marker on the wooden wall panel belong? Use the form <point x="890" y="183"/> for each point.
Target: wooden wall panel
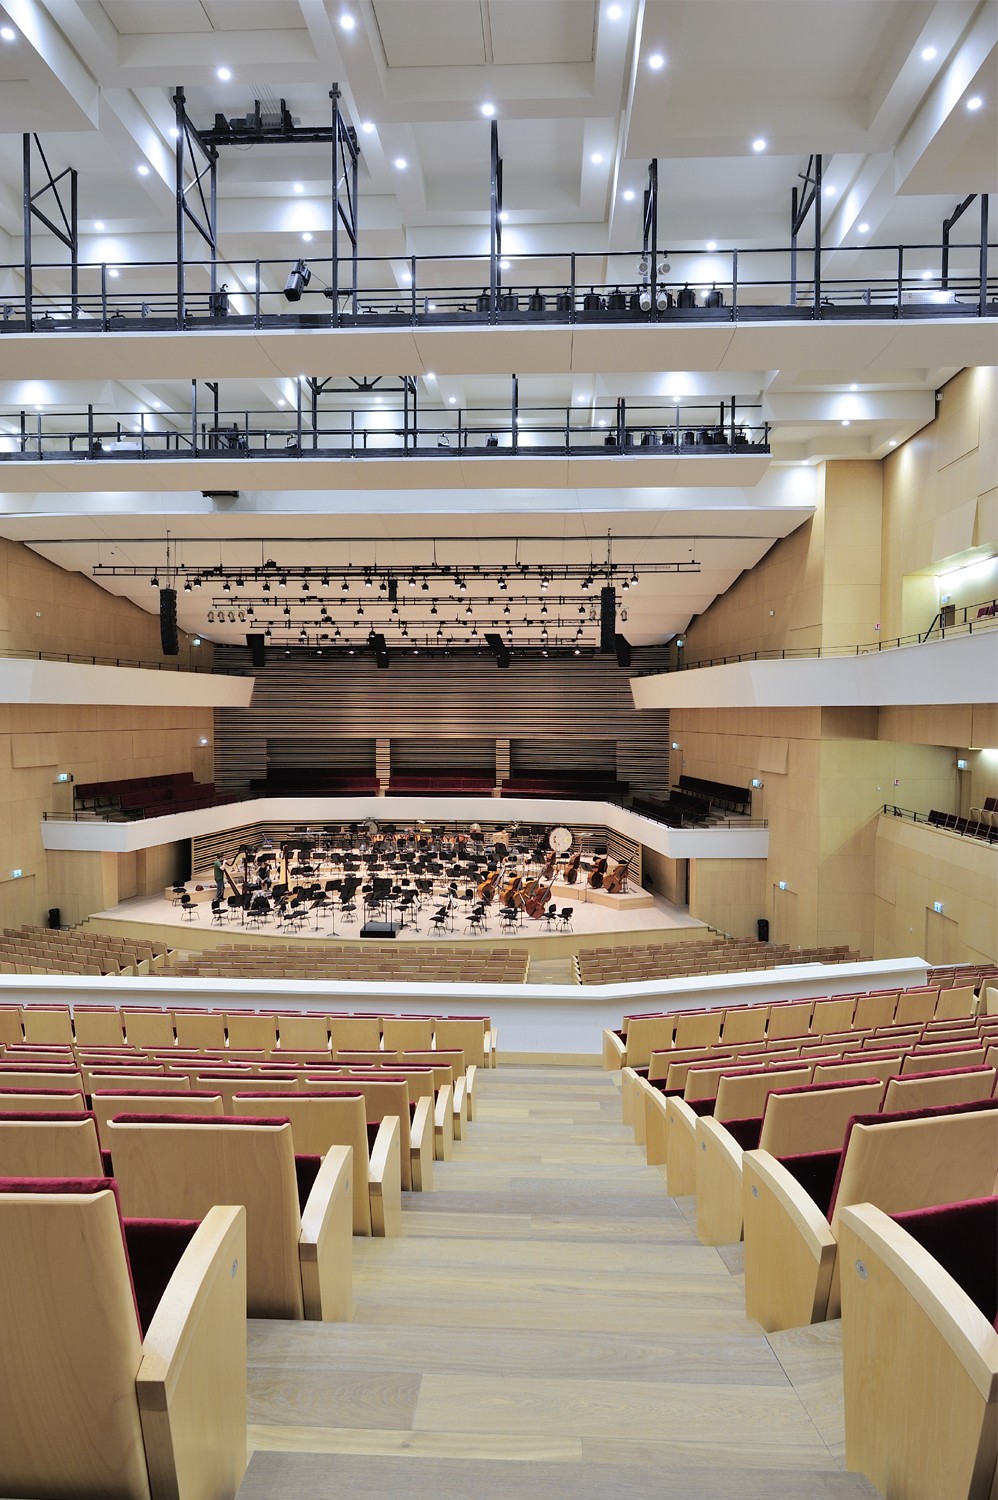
<point x="418" y="703"/>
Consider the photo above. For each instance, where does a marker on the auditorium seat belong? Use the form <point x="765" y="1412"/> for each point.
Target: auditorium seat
<point x="298" y="1243"/>
<point x="898" y="1162"/>
<point x="94" y="1403"/>
<point x="920" y="1348"/>
<point x="54" y="1144"/>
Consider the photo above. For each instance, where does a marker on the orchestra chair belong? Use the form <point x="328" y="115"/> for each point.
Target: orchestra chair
<point x="794" y="1121"/>
<point x="151" y="1101"/>
<point x="387" y="1095"/>
<point x="246" y="1030"/>
<point x="56" y="1144"/>
<point x="95" y="1403"/>
<point x="48" y="1024"/>
<point x="324" y="1122"/>
<point x="920" y="1350"/>
<point x="300" y="1032"/>
<point x="299" y="1254"/>
<point x="898" y="1162"/>
<point x="98" y="1026"/>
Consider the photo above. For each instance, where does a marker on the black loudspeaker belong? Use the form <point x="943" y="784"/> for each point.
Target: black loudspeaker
<point x="762" y="929"/>
<point x="168" y="622"/>
<point x="498" y="648"/>
<point x="379" y="930"/>
<point x="380" y="649"/>
<point x="258" y="648"/>
<point x="622" y="646"/>
<point x="55" y="918"/>
<point x="607" y="618"/>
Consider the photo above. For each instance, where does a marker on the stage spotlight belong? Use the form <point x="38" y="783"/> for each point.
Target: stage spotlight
<point x="662" y="299"/>
<point x="297" y="281"/>
<point x="644" y="299"/>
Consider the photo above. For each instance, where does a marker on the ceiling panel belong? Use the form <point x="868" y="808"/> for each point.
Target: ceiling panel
<point x="155" y="17"/>
<point x="543" y="31"/>
<point x="431" y="33"/>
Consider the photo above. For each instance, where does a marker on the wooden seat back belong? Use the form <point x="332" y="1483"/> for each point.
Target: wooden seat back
<point x="875" y="1010"/>
<point x="230" y="1084"/>
<point x="49" y="1146"/>
<point x="382" y="1097"/>
<point x="180" y="1169"/>
<point x="65" y="1295"/>
<point x="115" y="1102"/>
<point x="792" y="1020"/>
<point x="745" y="1023"/>
<point x="799" y="1121"/>
<point x="303" y="1033"/>
<point x="51" y="1024"/>
<point x="98" y="1028"/>
<point x="246" y="1030"/>
<point x="932" y="1061"/>
<point x="456" y="1056"/>
<point x="646" y="1034"/>
<point x="197" y="1028"/>
<point x="318" y="1123"/>
<point x="916" y="1005"/>
<point x="40" y="1077"/>
<point x="863" y="1067"/>
<point x="468" y="1035"/>
<point x="697" y="1028"/>
<point x="833" y="1014"/>
<point x="355" y="1032"/>
<point x="42" y="1101"/>
<point x="359" y="1056"/>
<point x="742" y="1096"/>
<point x="955" y="1002"/>
<point x="409" y="1033"/>
<point x="148" y="1028"/>
<point x="926" y="1090"/>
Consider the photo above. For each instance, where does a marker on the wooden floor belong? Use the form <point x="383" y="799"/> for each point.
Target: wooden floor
<point x="548" y="1328"/>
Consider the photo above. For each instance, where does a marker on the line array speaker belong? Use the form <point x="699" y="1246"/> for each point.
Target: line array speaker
<point x="498" y="648"/>
<point x="380" y="648"/>
<point x="607" y="618"/>
<point x="622" y="646"/>
<point x="168" y="622"/>
<point x="258" y="648"/>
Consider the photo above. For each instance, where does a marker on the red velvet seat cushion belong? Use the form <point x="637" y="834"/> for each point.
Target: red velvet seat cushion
<point x="818" y="1174"/>
<point x="963" y="1238"/>
<point x="154" y="1249"/>
<point x="306" y="1171"/>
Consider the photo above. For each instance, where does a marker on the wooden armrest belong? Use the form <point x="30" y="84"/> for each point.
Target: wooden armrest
<point x="789" y="1247"/>
<point x="490" y="1048"/>
<point x="920" y="1367"/>
<point x="719" y="1184"/>
<point x="470" y="1079"/>
<point x="651" y="1103"/>
<point x="632" y="1104"/>
<point x="385" y="1179"/>
<point x="443" y="1124"/>
<point x="421" y="1133"/>
<point x="325" y="1245"/>
<point x="191" y="1383"/>
<point x="680" y="1147"/>
<point x="460" y="1108"/>
<point x="614" y="1051"/>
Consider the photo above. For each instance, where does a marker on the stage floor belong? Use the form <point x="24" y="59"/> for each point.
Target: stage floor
<point x="588" y="919"/>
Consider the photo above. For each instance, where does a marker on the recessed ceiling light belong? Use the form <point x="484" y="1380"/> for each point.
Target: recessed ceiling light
<point x="656" y="61"/>
<point x="504" y="265"/>
<point x="504" y="217"/>
<point x="758" y="144"/>
<point x="347" y="21"/>
<point x="893" y="443"/>
<point x="614" y="12"/>
<point x="451" y="400"/>
<point x="307" y="237"/>
<point x="8" y="33"/>
<point x="298" y="187"/>
<point x="429" y="375"/>
<point x="142" y="169"/>
<point x="281" y="401"/>
<point x="629" y="195"/>
<point x="488" y="110"/>
<point x="368" y="127"/>
<point x="926" y="275"/>
<point x="112" y="271"/>
<point x="830" y="190"/>
<point x="854" y="387"/>
<point x="158" y="405"/>
<point x="596" y="158"/>
<point x="845" y="421"/>
<point x="975" y="102"/>
<point x="928" y="53"/>
<point x="863" y="228"/>
<point x="224" y="74"/>
<point x="401" y="163"/>
<point x="174" y="133"/>
<point x="711" y="244"/>
<point x="407" y="277"/>
<point x="676" y="396"/>
<point x="99" y="225"/>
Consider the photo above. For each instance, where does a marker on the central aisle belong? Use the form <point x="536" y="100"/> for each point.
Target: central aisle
<point x="549" y="1327"/>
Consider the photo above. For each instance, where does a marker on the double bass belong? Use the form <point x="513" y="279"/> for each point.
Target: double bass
<point x="487" y="889"/>
<point x="570" y="874"/>
<point x="536" y="902"/>
<point x="508" y="894"/>
<point x="597" y="873"/>
<point x="617" y="879"/>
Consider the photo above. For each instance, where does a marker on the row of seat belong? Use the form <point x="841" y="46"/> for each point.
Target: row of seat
<point x="871" y="1198"/>
<point x="721" y="956"/>
<point x="43" y="950"/>
<point x="454" y="964"/>
<point x="641" y="1036"/>
<point x="270" y="1033"/>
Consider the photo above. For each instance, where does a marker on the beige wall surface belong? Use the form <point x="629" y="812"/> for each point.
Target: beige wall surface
<point x="918" y="866"/>
<point x="43" y="608"/>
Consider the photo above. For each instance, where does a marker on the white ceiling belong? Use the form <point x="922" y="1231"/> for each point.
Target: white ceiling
<point x="580" y="112"/>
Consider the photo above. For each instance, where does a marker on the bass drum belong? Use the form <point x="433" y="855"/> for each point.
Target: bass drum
<point x="560" y="840"/>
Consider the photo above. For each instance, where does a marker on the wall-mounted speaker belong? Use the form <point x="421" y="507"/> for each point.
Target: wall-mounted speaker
<point x="607" y="618"/>
<point x="380" y="648"/>
<point x="168" y="622"/>
<point x="258" y="649"/>
<point x="622" y="646"/>
<point x="498" y="648"/>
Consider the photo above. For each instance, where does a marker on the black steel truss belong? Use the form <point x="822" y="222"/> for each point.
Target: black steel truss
<point x="67" y="234"/>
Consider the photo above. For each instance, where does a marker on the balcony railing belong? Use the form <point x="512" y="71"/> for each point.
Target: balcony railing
<point x="981" y="828"/>
<point x="624" y="429"/>
<point x="700" y="286"/>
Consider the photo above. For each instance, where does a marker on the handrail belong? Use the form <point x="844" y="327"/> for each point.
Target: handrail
<point x="81" y="659"/>
<point x="983" y="621"/>
<point x="570" y="287"/>
<point x="972" y="828"/>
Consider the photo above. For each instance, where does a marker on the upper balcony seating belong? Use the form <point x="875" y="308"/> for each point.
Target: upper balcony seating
<point x="981" y="827"/>
<point x="583" y="785"/>
<point x="148" y="1319"/>
<point x="150" y="796"/>
<point x="431" y="780"/>
<point x="920" y="1348"/>
<point x="298" y="1209"/>
<point x="287" y="781"/>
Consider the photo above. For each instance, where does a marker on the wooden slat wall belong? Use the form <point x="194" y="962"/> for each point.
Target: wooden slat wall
<point x="424" y="752"/>
<point x="461" y="697"/>
<point x="528" y="757"/>
<point x="330" y="752"/>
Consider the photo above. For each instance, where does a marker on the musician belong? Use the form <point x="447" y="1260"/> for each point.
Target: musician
<point x="218" y="871"/>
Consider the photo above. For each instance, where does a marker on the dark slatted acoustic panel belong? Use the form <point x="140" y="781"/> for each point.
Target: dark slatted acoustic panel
<point x="333" y="752"/>
<point x="566" y="701"/>
<point x="423" y="752"/>
<point x="547" y="756"/>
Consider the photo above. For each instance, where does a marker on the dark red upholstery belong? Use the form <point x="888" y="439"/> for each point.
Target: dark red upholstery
<point x="963" y="1238"/>
<point x="194" y="1120"/>
<point x="154" y="1249"/>
<point x="306" y="1171"/>
<point x="65" y="1117"/>
<point x="818" y="1174"/>
<point x="903" y="1114"/>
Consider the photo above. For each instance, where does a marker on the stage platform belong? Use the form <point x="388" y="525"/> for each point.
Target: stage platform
<point x="638" y="916"/>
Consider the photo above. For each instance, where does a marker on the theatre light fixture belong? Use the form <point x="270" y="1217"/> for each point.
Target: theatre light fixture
<point x="298" y="279"/>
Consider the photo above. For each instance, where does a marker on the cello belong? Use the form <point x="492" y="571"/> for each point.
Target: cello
<point x="536" y="902"/>
<point x="487" y="889"/>
<point x="597" y="873"/>
<point x="570" y="874"/>
<point x="617" y="879"/>
<point x="507" y="896"/>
